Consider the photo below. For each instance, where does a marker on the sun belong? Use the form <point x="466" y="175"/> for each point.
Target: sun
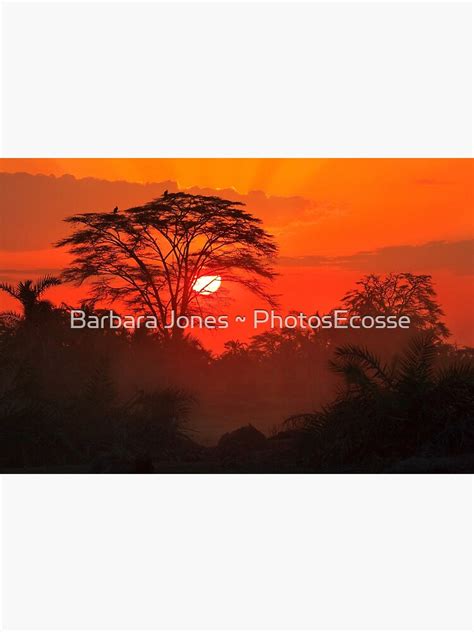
<point x="207" y="284"/>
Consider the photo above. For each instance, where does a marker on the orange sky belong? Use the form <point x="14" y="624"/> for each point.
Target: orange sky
<point x="316" y="208"/>
<point x="383" y="201"/>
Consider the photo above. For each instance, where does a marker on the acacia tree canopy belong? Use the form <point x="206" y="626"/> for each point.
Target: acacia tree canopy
<point x="149" y="256"/>
<point x="399" y="294"/>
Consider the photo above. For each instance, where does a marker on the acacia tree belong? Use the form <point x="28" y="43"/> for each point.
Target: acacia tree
<point x="399" y="294"/>
<point x="148" y="257"/>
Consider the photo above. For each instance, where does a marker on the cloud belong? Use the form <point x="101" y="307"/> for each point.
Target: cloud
<point x="454" y="256"/>
<point x="33" y="206"/>
<point x="13" y="272"/>
<point x="279" y="213"/>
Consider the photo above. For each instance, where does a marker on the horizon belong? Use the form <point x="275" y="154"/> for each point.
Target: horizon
<point x="334" y="221"/>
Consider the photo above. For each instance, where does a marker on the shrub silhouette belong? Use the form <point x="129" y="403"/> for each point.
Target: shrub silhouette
<point x="390" y="412"/>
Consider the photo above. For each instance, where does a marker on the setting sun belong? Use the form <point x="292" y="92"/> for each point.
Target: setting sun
<point x="207" y="284"/>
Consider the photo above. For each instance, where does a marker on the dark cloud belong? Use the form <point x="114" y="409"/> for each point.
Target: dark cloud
<point x="11" y="272"/>
<point x="277" y="212"/>
<point x="33" y="206"/>
<point x="455" y="256"/>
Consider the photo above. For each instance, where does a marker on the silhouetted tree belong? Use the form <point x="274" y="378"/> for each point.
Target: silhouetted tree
<point x="150" y="256"/>
<point x="234" y="348"/>
<point x="399" y="294"/>
<point x="30" y="293"/>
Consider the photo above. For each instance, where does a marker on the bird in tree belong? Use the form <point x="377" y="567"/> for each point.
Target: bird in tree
<point x="149" y="257"/>
<point x="29" y="294"/>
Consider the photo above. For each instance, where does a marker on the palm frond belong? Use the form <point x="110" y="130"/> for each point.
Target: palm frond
<point x="9" y="318"/>
<point x="459" y="372"/>
<point x="44" y="283"/>
<point x="416" y="364"/>
<point x="9" y="289"/>
<point x="351" y="357"/>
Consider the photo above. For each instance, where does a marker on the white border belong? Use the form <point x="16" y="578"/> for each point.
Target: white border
<point x="309" y="79"/>
<point x="76" y="146"/>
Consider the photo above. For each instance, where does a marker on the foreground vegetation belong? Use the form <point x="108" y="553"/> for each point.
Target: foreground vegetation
<point x="114" y="401"/>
